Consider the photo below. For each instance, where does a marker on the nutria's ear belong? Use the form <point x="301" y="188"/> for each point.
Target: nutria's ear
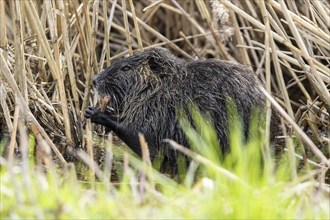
<point x="154" y="64"/>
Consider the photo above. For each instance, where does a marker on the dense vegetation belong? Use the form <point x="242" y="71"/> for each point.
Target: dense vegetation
<point x="49" y="50"/>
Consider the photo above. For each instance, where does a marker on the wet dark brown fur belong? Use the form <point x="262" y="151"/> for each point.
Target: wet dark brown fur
<point x="147" y="89"/>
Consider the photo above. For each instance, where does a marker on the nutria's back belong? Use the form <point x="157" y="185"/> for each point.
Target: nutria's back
<point x="148" y="88"/>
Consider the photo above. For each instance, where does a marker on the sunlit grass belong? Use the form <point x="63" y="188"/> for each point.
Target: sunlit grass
<point x="261" y="188"/>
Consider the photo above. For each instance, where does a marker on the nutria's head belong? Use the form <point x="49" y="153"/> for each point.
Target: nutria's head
<point x="134" y="75"/>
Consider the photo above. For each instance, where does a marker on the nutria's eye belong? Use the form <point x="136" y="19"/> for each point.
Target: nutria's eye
<point x="125" y="68"/>
<point x="153" y="65"/>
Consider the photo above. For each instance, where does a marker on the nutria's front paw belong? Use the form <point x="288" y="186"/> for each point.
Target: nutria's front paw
<point x="92" y="113"/>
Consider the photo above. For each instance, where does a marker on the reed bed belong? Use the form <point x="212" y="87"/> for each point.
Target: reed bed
<point x="49" y="52"/>
<point x="51" y="49"/>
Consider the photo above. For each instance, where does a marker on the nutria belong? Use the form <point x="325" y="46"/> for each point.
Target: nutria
<point x="147" y="89"/>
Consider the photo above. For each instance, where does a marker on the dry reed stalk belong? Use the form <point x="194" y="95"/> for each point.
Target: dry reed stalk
<point x="204" y="161"/>
<point x="149" y="13"/>
<point x="267" y="65"/>
<point x="280" y="79"/>
<point x="29" y="115"/>
<point x="152" y="5"/>
<point x="302" y="134"/>
<point x="191" y="19"/>
<point x="206" y="15"/>
<point x="42" y="150"/>
<point x="13" y="135"/>
<point x="89" y="148"/>
<point x="35" y="23"/>
<point x="108" y="157"/>
<point x="127" y="33"/>
<point x="314" y="78"/>
<point x="126" y="163"/>
<point x="190" y="45"/>
<point x="321" y="10"/>
<point x="93" y="165"/>
<point x="172" y="9"/>
<point x="94" y="27"/>
<point x="107" y="24"/>
<point x="158" y="35"/>
<point x="257" y="23"/>
<point x="319" y="84"/>
<point x="313" y="28"/>
<point x="121" y="54"/>
<point x="91" y="62"/>
<point x="4" y="105"/>
<point x="68" y="54"/>
<point x="295" y="77"/>
<point x="44" y="100"/>
<point x="286" y="44"/>
<point x="240" y="40"/>
<point x="254" y="56"/>
<point x="282" y="85"/>
<point x="83" y="39"/>
<point x="145" y="150"/>
<point x="90" y="46"/>
<point x="3" y="28"/>
<point x="136" y="26"/>
<point x="36" y="26"/>
<point x="19" y="51"/>
<point x="146" y="165"/>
